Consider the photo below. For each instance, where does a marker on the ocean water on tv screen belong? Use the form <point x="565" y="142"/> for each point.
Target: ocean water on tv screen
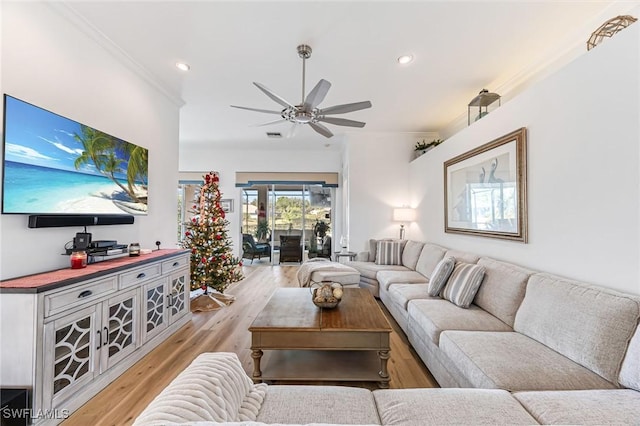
<point x="35" y="189"/>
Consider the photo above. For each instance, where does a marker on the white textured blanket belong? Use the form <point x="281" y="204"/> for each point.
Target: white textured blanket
<point x="213" y="388"/>
<point x="312" y="265"/>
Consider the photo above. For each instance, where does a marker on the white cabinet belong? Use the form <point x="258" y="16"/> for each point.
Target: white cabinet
<point x="70" y="354"/>
<point x="87" y="333"/>
<point x="83" y="344"/>
<point x="164" y="301"/>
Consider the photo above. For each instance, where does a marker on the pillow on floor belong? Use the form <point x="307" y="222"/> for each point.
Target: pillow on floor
<point x="463" y="284"/>
<point x="440" y="275"/>
<point x="389" y="253"/>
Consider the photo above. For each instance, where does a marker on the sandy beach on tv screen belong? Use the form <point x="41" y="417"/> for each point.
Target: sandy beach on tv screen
<point x="108" y="202"/>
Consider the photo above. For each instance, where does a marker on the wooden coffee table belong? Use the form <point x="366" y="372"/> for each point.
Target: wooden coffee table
<point x="347" y="343"/>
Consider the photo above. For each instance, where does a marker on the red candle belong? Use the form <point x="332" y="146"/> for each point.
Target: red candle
<point x="78" y="260"/>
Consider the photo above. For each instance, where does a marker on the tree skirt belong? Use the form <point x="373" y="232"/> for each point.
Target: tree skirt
<point x="210" y="301"/>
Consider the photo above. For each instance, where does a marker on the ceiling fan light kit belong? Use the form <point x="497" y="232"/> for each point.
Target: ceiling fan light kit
<point x="307" y="112"/>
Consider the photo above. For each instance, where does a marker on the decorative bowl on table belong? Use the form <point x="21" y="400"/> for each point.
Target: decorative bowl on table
<point x="326" y="294"/>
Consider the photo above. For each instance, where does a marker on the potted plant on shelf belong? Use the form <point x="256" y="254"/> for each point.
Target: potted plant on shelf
<point x="422" y="147"/>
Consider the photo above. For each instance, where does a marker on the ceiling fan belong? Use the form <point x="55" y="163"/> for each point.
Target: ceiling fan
<point x="307" y="112"/>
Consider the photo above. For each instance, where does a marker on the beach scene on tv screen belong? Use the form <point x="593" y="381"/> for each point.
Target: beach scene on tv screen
<point x="56" y="165"/>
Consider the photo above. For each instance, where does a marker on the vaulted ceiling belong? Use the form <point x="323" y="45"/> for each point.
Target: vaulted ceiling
<point x="459" y="47"/>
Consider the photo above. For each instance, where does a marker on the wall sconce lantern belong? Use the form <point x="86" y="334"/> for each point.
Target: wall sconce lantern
<point x="482" y="102"/>
<point x="404" y="215"/>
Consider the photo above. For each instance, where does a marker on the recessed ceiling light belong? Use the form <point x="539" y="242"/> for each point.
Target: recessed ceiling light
<point x="183" y="66"/>
<point x="405" y="59"/>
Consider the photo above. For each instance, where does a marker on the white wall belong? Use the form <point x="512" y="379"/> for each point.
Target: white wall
<point x="583" y="131"/>
<point x="201" y="158"/>
<point x="379" y="173"/>
<point x="48" y="61"/>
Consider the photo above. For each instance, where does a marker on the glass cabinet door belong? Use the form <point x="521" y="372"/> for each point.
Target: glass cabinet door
<point x="154" y="302"/>
<point x="119" y="328"/>
<point x="71" y="360"/>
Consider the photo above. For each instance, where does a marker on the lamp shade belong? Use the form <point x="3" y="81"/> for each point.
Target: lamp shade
<point x="404" y="214"/>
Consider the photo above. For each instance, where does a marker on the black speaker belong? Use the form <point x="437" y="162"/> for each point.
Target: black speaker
<point x="59" y="220"/>
<point x="114" y="219"/>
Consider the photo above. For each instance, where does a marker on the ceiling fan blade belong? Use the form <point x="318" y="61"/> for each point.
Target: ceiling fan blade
<point x="342" y="121"/>
<point x="321" y="129"/>
<point x="317" y="94"/>
<point x="273" y="96"/>
<point x="270" y="122"/>
<point x="341" y="109"/>
<point x="258" y="110"/>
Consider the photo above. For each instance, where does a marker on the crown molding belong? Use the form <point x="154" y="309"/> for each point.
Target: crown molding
<point x="72" y="15"/>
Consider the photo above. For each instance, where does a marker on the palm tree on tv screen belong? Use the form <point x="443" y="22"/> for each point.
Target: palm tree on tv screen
<point x="137" y="168"/>
<point x="100" y="149"/>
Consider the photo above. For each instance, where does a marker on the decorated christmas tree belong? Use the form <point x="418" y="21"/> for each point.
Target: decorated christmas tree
<point x="212" y="262"/>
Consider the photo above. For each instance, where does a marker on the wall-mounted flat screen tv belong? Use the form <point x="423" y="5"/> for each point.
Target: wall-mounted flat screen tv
<point x="54" y="165"/>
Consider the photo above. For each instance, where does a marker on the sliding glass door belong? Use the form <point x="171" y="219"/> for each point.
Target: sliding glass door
<point x="290" y="210"/>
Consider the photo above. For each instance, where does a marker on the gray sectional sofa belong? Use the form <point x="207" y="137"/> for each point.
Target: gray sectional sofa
<point x="532" y="348"/>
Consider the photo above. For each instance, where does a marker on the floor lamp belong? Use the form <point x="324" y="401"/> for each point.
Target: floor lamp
<point x="404" y="215"/>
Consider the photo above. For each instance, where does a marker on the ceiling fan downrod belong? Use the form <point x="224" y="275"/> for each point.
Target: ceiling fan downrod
<point x="304" y="51"/>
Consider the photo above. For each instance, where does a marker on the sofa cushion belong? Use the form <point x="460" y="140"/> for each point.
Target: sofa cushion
<point x="463" y="284"/>
<point x="514" y="362"/>
<point x="437" y="315"/>
<point x="214" y="387"/>
<point x="411" y="253"/>
<point x="318" y="404"/>
<point x="418" y="407"/>
<point x="386" y="278"/>
<point x="588" y="324"/>
<point x="503" y="288"/>
<point x="463" y="256"/>
<point x="389" y="253"/>
<point x="402" y="294"/>
<point x="429" y="258"/>
<point x="440" y="275"/>
<point x="630" y="371"/>
<point x="583" y="407"/>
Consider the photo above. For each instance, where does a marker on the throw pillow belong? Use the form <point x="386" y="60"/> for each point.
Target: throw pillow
<point x="463" y="284"/>
<point x="440" y="275"/>
<point x="373" y="248"/>
<point x="389" y="253"/>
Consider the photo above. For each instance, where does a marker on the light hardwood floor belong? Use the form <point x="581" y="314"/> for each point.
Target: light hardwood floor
<point x="225" y="330"/>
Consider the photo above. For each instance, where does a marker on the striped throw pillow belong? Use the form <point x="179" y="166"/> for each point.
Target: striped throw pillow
<point x="463" y="284"/>
<point x="389" y="253"/>
<point x="440" y="275"/>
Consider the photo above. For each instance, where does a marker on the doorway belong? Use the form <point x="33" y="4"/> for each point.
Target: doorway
<point x="272" y="212"/>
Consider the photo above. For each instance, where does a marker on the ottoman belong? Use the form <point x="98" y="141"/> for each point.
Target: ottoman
<point x="320" y="269"/>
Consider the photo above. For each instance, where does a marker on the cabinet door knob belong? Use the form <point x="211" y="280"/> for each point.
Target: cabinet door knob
<point x="99" y="339"/>
<point x="106" y="336"/>
<point x="85" y="293"/>
<point x="141" y="275"/>
<point x="169" y="301"/>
